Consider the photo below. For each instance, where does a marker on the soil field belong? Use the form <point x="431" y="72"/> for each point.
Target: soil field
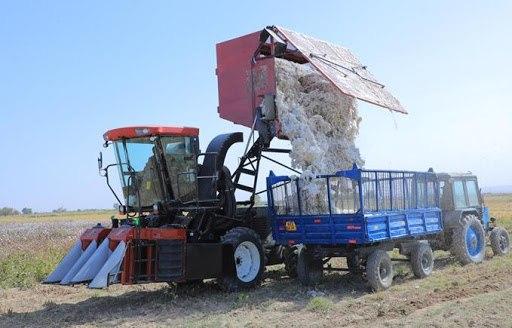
<point x="454" y="296"/>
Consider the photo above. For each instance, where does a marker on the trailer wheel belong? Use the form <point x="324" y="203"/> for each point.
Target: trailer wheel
<point x="379" y="270"/>
<point x="500" y="241"/>
<point x="248" y="258"/>
<point x="310" y="269"/>
<point x="422" y="260"/>
<point x="354" y="264"/>
<point x="468" y="242"/>
<point x="291" y="255"/>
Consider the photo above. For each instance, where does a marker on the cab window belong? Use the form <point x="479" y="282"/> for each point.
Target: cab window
<point x="459" y="198"/>
<point x="472" y="189"/>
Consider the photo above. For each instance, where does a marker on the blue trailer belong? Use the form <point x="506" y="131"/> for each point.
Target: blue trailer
<point x="357" y="214"/>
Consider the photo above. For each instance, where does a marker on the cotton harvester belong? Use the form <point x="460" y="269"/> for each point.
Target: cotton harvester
<point x="182" y="221"/>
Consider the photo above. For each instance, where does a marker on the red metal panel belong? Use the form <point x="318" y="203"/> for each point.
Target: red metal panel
<point x="121" y="234"/>
<point x="96" y="233"/>
<point x="146" y="131"/>
<point x="241" y="80"/>
<point x="127" y="234"/>
<point x="163" y="233"/>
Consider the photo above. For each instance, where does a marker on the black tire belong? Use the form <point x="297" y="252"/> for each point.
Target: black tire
<point x="291" y="255"/>
<point x="246" y="240"/>
<point x="354" y="264"/>
<point x="500" y="241"/>
<point x="310" y="269"/>
<point x="422" y="260"/>
<point x="379" y="270"/>
<point x="468" y="240"/>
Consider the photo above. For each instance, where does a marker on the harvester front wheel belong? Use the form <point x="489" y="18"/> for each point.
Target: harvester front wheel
<point x="248" y="258"/>
<point x="310" y="269"/>
<point x="500" y="241"/>
<point x="468" y="242"/>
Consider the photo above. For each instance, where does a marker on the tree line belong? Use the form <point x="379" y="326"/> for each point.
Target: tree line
<point x="10" y="211"/>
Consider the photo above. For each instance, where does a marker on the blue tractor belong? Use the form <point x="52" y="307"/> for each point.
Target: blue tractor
<point x="466" y="220"/>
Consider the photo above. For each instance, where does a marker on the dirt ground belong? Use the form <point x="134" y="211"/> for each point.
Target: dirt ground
<point x="454" y="296"/>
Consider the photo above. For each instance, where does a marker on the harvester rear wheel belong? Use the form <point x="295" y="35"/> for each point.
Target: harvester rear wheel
<point x="248" y="258"/>
<point x="310" y="269"/>
<point x="422" y="260"/>
<point x="379" y="270"/>
<point x="468" y="242"/>
<point x="500" y="241"/>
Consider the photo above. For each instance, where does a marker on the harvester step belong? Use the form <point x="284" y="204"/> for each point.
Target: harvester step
<point x="244" y="188"/>
<point x="247" y="171"/>
<point x="277" y="150"/>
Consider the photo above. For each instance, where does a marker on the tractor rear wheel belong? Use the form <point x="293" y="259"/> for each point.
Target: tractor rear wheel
<point x="422" y="260"/>
<point x="468" y="241"/>
<point x="310" y="269"/>
<point x="249" y="259"/>
<point x="379" y="270"/>
<point x="500" y="241"/>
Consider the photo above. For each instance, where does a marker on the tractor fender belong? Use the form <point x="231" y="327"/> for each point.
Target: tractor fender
<point x="213" y="162"/>
<point x="470" y="212"/>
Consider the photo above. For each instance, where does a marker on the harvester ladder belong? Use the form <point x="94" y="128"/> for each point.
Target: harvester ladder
<point x="249" y="166"/>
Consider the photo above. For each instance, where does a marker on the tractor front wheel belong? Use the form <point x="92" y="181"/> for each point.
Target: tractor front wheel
<point x="500" y="241"/>
<point x="249" y="260"/>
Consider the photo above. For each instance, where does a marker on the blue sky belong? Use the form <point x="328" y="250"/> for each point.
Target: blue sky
<point x="71" y="70"/>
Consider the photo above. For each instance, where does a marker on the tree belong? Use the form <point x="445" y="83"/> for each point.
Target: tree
<point x="26" y="211"/>
<point x="60" y="210"/>
<point x="5" y="211"/>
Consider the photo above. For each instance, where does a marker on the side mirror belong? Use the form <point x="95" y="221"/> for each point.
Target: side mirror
<point x="100" y="161"/>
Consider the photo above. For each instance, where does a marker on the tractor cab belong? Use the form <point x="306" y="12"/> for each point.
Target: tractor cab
<point x="460" y="196"/>
<point x="156" y="165"/>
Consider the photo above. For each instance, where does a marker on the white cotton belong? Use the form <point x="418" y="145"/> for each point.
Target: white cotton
<point x="321" y="123"/>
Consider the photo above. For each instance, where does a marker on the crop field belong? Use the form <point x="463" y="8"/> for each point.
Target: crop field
<point x="454" y="296"/>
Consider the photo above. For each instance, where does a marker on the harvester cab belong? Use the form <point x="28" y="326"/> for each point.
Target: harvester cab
<point x="157" y="166"/>
<point x="466" y="219"/>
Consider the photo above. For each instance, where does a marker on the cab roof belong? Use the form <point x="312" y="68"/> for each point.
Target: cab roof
<point x="456" y="175"/>
<point x="150" y="131"/>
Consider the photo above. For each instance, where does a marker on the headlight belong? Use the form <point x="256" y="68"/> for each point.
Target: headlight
<point x="122" y="209"/>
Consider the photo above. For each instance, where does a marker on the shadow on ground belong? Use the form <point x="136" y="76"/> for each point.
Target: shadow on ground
<point x="194" y="301"/>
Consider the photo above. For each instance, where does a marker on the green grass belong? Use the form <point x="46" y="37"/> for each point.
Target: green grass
<point x="319" y="304"/>
<point x="24" y="270"/>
